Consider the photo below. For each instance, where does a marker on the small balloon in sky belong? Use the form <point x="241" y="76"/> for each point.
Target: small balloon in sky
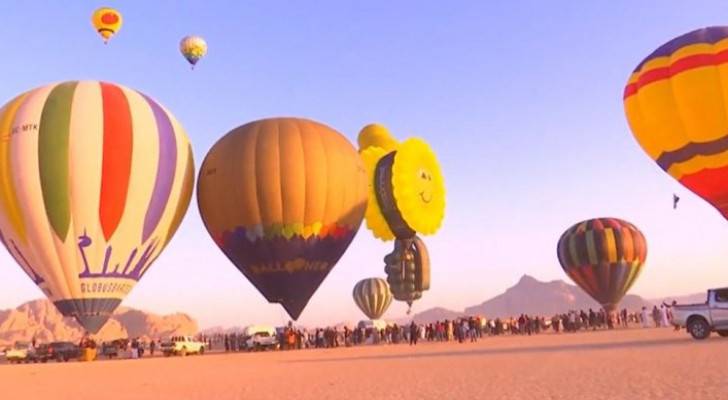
<point x="193" y="48"/>
<point x="107" y="22"/>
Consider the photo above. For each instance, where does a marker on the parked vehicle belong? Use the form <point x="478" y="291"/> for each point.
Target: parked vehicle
<point x="20" y="352"/>
<point x="702" y="319"/>
<point x="110" y="349"/>
<point x="260" y="337"/>
<point x="182" y="345"/>
<point x="58" y="351"/>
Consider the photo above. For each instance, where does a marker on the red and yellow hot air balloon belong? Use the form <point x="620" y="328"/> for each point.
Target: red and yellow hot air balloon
<point x="604" y="257"/>
<point x="107" y="22"/>
<point x="283" y="199"/>
<point x="676" y="102"/>
<point x="95" y="178"/>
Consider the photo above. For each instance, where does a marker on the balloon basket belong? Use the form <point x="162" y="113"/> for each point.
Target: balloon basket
<point x="87" y="354"/>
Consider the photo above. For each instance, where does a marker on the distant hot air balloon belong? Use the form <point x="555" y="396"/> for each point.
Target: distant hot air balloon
<point x="193" y="48"/>
<point x="95" y="179"/>
<point x="283" y="199"/>
<point x="675" y="200"/>
<point x="604" y="256"/>
<point x="372" y="296"/>
<point x="107" y="22"/>
<point x="675" y="102"/>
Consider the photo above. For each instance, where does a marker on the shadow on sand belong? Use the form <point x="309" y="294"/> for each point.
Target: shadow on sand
<point x="636" y="344"/>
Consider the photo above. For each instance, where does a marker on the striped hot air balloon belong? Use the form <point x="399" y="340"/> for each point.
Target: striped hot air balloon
<point x="676" y="105"/>
<point x="372" y="296"/>
<point x="604" y="257"/>
<point x="283" y="199"/>
<point x="95" y="178"/>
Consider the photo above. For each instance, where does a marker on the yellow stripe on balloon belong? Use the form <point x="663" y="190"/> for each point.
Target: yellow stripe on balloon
<point x="611" y="245"/>
<point x="697" y="164"/>
<point x="657" y="100"/>
<point x="8" y="196"/>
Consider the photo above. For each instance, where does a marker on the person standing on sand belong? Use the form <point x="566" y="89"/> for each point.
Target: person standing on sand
<point x="663" y="315"/>
<point x="645" y="318"/>
<point x="413" y="334"/>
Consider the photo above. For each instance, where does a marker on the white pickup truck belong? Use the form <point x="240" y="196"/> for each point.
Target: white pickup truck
<point x="182" y="345"/>
<point x="260" y="337"/>
<point x="702" y="319"/>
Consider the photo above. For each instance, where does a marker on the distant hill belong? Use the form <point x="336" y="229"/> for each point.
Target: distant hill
<point x="40" y="318"/>
<point x="686" y="299"/>
<point x="530" y="296"/>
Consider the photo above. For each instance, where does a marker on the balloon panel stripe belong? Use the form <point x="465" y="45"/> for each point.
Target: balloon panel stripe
<point x="8" y="194"/>
<point x="53" y="136"/>
<point x="165" y="169"/>
<point x="116" y="164"/>
<point x="710" y="35"/>
<point x="185" y="196"/>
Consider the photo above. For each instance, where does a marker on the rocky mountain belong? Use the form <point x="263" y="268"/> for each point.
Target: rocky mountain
<point x="530" y="296"/>
<point x="694" y="298"/>
<point x="40" y="318"/>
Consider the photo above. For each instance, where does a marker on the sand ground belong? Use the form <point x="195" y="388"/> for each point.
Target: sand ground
<point x="626" y="364"/>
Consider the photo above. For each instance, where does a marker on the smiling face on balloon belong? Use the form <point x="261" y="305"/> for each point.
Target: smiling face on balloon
<point x="418" y="186"/>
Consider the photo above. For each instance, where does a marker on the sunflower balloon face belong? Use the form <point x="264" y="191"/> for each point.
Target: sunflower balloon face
<point x="407" y="191"/>
<point x="107" y="21"/>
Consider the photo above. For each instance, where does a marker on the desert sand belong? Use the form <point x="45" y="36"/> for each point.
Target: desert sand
<point x="623" y="364"/>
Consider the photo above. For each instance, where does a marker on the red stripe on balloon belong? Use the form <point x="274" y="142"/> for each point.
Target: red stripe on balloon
<point x="706" y="184"/>
<point x="681" y="65"/>
<point x="116" y="165"/>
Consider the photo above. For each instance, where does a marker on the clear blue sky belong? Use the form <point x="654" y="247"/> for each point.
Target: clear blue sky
<point x="522" y="102"/>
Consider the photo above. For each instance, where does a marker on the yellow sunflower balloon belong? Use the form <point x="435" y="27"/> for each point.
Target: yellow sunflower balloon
<point x="407" y="191"/>
<point x="374" y="218"/>
<point x="376" y="135"/>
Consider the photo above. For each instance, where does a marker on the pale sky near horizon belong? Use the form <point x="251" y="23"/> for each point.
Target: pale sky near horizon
<point x="522" y="101"/>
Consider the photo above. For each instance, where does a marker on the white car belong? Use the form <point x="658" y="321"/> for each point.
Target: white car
<point x="260" y="337"/>
<point x="182" y="346"/>
<point x="702" y="319"/>
<point x="20" y="352"/>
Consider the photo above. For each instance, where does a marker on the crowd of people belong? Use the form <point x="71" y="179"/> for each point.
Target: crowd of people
<point x="465" y="329"/>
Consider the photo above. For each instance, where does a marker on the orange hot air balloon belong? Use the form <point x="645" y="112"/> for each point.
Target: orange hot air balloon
<point x="283" y="199"/>
<point x="675" y="103"/>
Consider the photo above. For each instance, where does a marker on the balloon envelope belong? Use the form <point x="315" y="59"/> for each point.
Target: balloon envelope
<point x="107" y="22"/>
<point x="372" y="296"/>
<point x="604" y="257"/>
<point x="95" y="178"/>
<point x="283" y="198"/>
<point x="675" y="103"/>
<point x="193" y="48"/>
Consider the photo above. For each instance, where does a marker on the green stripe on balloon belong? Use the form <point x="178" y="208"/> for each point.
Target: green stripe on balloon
<point x="53" y="149"/>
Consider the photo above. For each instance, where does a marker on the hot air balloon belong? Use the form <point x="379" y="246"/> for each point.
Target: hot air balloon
<point x="193" y="48"/>
<point x="604" y="257"/>
<point x="283" y="199"/>
<point x="406" y="197"/>
<point x="95" y="179"/>
<point x="675" y="105"/>
<point x="372" y="296"/>
<point x="107" y="22"/>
